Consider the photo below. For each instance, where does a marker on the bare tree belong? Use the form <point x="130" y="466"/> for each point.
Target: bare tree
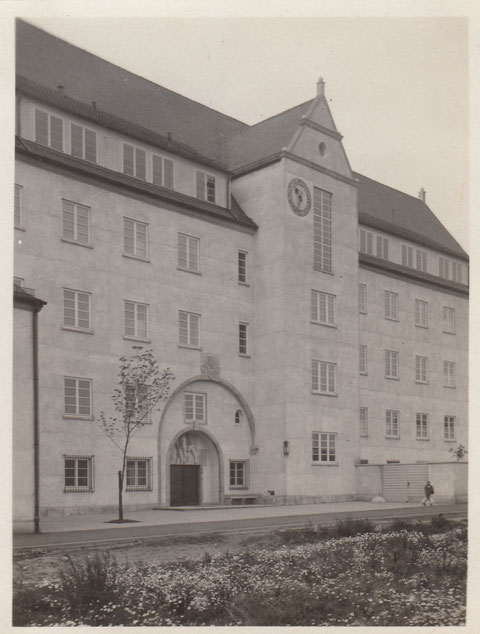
<point x="141" y="389"/>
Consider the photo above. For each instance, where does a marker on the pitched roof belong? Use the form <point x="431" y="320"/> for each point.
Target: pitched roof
<point x="392" y="211"/>
<point x="265" y="138"/>
<point x="50" y="61"/>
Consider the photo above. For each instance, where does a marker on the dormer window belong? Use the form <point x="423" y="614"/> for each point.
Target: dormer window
<point x="48" y="130"/>
<point x="134" y="161"/>
<point x="83" y="143"/>
<point x="162" y="171"/>
<point x="206" y="186"/>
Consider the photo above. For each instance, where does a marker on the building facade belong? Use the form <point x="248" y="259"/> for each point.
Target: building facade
<point x="315" y="320"/>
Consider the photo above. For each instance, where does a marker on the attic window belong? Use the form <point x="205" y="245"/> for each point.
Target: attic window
<point x="322" y="148"/>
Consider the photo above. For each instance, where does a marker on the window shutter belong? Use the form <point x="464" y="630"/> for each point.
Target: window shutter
<point x="168" y="175"/>
<point x="200" y="185"/>
<point x="41" y="127"/>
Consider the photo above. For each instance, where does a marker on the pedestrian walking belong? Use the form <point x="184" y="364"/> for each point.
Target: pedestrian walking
<point x="429" y="491"/>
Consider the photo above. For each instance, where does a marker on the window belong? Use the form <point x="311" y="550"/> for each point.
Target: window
<point x="449" y="373"/>
<point x="76" y="222"/>
<point x="391" y="364"/>
<point x="238" y="474"/>
<point x="449" y="320"/>
<point x="414" y="258"/>
<point x="48" y="130"/>
<point x="137" y="406"/>
<point x="323" y="377"/>
<point x="391" y="305"/>
<point x="449" y="269"/>
<point x="422" y="426"/>
<point x="195" y="407"/>
<point x="77" y="397"/>
<point x="324" y="447"/>
<point x="449" y="427"/>
<point x="242" y="338"/>
<point x="421" y="260"/>
<point x="17" y="206"/>
<point x="134" y="161"/>
<point x="362" y="298"/>
<point x="363" y="421"/>
<point x="238" y="417"/>
<point x="421" y="313"/>
<point x="362" y="359"/>
<point x="391" y="424"/>
<point x="76" y="309"/>
<point x="323" y="308"/>
<point x="242" y="267"/>
<point x="382" y="247"/>
<point x="407" y="255"/>
<point x="135" y="238"/>
<point x="83" y="143"/>
<point x="138" y="474"/>
<point x="189" y="329"/>
<point x="421" y="369"/>
<point x="162" y="171"/>
<point x="366" y="242"/>
<point x="188" y="253"/>
<point x="322" y="230"/>
<point x="205" y="186"/>
<point x="78" y="473"/>
<point x="136" y="320"/>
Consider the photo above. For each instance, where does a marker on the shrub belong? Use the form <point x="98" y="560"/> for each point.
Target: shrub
<point x="350" y="526"/>
<point x="440" y="523"/>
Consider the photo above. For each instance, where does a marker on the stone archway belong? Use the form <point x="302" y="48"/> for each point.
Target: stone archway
<point x="194" y="470"/>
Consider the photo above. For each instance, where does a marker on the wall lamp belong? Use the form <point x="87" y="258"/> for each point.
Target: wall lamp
<point x="286" y="447"/>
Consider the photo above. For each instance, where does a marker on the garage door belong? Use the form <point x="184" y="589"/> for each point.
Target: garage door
<point x="404" y="483"/>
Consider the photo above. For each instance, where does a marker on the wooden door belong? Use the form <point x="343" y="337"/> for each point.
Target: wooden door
<point x="184" y="484"/>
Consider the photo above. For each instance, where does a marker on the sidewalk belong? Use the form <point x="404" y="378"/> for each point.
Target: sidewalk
<point x="97" y="527"/>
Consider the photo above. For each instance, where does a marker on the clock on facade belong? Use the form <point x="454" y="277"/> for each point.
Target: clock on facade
<point x="299" y="197"/>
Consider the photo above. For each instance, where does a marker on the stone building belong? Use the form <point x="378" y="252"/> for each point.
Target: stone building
<point x="315" y="319"/>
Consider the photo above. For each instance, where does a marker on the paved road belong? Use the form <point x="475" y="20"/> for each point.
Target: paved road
<point x="137" y="531"/>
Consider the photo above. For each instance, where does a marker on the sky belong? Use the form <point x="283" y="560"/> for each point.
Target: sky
<point x="397" y="86"/>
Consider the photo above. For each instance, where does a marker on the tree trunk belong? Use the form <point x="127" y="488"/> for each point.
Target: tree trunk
<point x="120" y="497"/>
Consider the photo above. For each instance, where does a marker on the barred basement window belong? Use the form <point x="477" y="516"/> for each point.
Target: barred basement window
<point x="188" y="253"/>
<point x="391" y="305"/>
<point x="135" y="320"/>
<point x="322" y="308"/>
<point x="206" y="186"/>
<point x="238" y="474"/>
<point x="135" y="238"/>
<point x="83" y="143"/>
<point x="134" y="161"/>
<point x="189" y="329"/>
<point x="391" y="364"/>
<point x="323" y="377"/>
<point x="77" y="397"/>
<point x="449" y="320"/>
<point x="17" y="206"/>
<point x="421" y="369"/>
<point x="449" y="373"/>
<point x="78" y="473"/>
<point x="76" y="309"/>
<point x="363" y="421"/>
<point x="48" y="130"/>
<point x="242" y="267"/>
<point x="422" y="426"/>
<point x="242" y="338"/>
<point x="76" y="222"/>
<point x="449" y="427"/>
<point x="162" y="171"/>
<point x="139" y="474"/>
<point x="324" y="447"/>
<point x="195" y="408"/>
<point x="391" y="424"/>
<point x="421" y="313"/>
<point x="322" y="230"/>
<point x="362" y="359"/>
<point x="362" y="298"/>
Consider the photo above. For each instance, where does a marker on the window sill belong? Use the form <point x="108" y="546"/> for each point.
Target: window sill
<point x="194" y="422"/>
<point x="448" y="332"/>
<point x="187" y="347"/>
<point x="130" y="338"/>
<point x="363" y="435"/>
<point x="238" y="488"/>
<point x="362" y="312"/>
<point x="78" y="490"/>
<point x="423" y="439"/>
<point x="131" y="256"/>
<point x="181" y="268"/>
<point x="392" y="378"/>
<point x="71" y="329"/>
<point x="321" y="323"/>
<point x="325" y="464"/>
<point x="244" y="355"/>
<point x="449" y="440"/>
<point x="392" y="437"/>
<point x="450" y="387"/>
<point x="395" y="319"/>
<point x="420" y="326"/>
<point x="421" y="382"/>
<point x="78" y="244"/>
<point x="77" y="417"/>
<point x="316" y="268"/>
<point x="138" y="489"/>
<point x="363" y="373"/>
<point x="19" y="228"/>
<point x="324" y="393"/>
<point x="243" y="283"/>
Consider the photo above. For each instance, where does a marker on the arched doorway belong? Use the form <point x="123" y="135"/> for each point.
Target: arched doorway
<point x="194" y="469"/>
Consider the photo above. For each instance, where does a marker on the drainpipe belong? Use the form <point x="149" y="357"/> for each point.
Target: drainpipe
<point x="36" y="464"/>
<point x="18" y="126"/>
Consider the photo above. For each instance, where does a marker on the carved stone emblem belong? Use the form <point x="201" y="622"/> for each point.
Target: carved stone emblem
<point x="210" y="366"/>
<point x="186" y="450"/>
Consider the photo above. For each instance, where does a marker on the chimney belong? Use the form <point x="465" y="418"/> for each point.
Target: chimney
<point x="422" y="194"/>
<point x="60" y="89"/>
<point x="321" y="87"/>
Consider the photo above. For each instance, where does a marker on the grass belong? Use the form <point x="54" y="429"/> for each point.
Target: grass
<point x="408" y="573"/>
